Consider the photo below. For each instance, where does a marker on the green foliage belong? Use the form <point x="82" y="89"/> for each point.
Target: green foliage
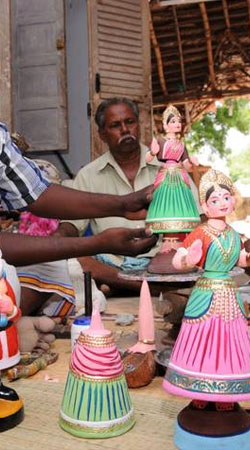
<point x="239" y="166"/>
<point x="212" y="129"/>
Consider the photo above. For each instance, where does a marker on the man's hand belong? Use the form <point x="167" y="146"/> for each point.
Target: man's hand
<point x="126" y="241"/>
<point x="136" y="204"/>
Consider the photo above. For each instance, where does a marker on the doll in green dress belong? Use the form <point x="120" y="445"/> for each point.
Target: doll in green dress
<point x="173" y="211"/>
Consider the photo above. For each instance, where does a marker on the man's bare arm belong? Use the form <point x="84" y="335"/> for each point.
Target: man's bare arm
<point x="65" y="203"/>
<point x="22" y="250"/>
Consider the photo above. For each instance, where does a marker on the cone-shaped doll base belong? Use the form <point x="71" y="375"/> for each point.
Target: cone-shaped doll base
<point x="96" y="408"/>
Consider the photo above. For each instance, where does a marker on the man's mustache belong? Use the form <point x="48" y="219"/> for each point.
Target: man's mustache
<point x="127" y="136"/>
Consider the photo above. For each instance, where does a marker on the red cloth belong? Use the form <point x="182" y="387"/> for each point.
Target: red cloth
<point x="10" y="334"/>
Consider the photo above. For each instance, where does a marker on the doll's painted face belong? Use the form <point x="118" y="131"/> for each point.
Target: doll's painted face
<point x="174" y="125"/>
<point x="219" y="204"/>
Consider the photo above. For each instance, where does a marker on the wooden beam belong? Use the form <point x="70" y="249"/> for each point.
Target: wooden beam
<point x="158" y="56"/>
<point x="208" y="42"/>
<point x="204" y="108"/>
<point x="196" y="96"/>
<point x="226" y="13"/>
<point x="248" y="4"/>
<point x="178" y="34"/>
<point x="183" y="77"/>
<point x="166" y="3"/>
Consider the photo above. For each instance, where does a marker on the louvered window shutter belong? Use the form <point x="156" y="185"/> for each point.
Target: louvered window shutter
<point x="39" y="94"/>
<point x="119" y="48"/>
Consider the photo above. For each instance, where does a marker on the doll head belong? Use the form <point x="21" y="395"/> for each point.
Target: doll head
<point x="172" y="122"/>
<point x="216" y="194"/>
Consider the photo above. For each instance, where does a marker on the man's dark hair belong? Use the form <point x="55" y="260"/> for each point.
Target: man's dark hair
<point x="100" y="112"/>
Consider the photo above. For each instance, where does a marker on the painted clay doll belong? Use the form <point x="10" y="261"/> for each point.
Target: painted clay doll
<point x="173" y="211"/>
<point x="210" y="362"/>
<point x="11" y="406"/>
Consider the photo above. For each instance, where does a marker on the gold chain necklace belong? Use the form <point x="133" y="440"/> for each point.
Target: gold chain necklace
<point x="213" y="233"/>
<point x="176" y="144"/>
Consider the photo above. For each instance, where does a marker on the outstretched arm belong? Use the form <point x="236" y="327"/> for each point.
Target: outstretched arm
<point x="154" y="149"/>
<point x="244" y="259"/>
<point x="188" y="258"/>
<point x="189" y="161"/>
<point x="65" y="203"/>
<point x="22" y="250"/>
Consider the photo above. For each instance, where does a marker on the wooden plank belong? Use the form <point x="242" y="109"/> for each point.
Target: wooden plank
<point x="119" y="54"/>
<point x="121" y="62"/>
<point x="195" y="96"/>
<point x="121" y="75"/>
<point x="120" y="40"/>
<point x="117" y="32"/>
<point x="158" y="56"/>
<point x="39" y="87"/>
<point x="121" y="83"/>
<point x="116" y="46"/>
<point x="116" y="24"/>
<point x="137" y="98"/>
<point x="165" y="3"/>
<point x="119" y="18"/>
<point x="125" y="55"/>
<point x="127" y="69"/>
<point x="127" y="5"/>
<point x="5" y="64"/>
<point x="118" y="11"/>
<point x="122" y="92"/>
<point x="208" y="37"/>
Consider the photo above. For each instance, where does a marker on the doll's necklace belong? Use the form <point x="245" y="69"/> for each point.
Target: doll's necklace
<point x="175" y="143"/>
<point x="217" y="232"/>
<point x="213" y="233"/>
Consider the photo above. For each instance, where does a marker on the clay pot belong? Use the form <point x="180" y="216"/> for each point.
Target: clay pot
<point x="139" y="369"/>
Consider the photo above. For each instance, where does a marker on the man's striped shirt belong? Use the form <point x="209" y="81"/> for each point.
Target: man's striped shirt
<point x="21" y="181"/>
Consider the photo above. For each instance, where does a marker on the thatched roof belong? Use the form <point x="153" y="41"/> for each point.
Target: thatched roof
<point x="200" y="53"/>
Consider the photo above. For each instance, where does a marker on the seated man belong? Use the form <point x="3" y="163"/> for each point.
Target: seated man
<point x="121" y="170"/>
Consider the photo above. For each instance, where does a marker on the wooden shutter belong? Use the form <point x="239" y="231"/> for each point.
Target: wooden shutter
<point x="120" y="66"/>
<point x="5" y="70"/>
<point x="39" y="98"/>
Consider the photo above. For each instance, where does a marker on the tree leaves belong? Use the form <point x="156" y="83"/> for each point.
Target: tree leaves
<point x="212" y="129"/>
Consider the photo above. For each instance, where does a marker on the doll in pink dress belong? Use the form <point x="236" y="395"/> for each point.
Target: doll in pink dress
<point x="210" y="362"/>
<point x="173" y="211"/>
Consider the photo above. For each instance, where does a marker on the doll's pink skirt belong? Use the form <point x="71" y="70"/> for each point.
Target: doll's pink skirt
<point x="211" y="361"/>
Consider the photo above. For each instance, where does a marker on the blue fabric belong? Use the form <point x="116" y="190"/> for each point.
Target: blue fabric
<point x="125" y="263"/>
